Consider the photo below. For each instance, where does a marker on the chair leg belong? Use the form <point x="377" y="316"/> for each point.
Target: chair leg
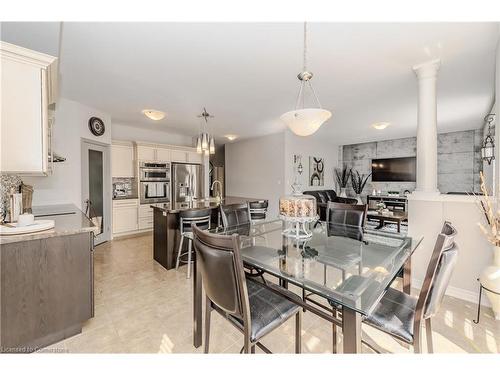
<point x="417" y="344"/>
<point x="252" y="349"/>
<point x="179" y="253"/>
<point x="334" y="334"/>
<point x="428" y="334"/>
<point x="190" y="245"/>
<point x="298" y="332"/>
<point x="208" y="312"/>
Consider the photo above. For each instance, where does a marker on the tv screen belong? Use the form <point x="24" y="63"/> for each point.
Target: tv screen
<point x="396" y="169"/>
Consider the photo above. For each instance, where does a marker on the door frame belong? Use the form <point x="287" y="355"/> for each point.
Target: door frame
<point x="87" y="144"/>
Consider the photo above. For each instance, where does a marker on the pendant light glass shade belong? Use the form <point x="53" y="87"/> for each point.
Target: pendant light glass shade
<point x="307" y="121"/>
<point x="212" y="145"/>
<point x="198" y="145"/>
<point x="204" y="142"/>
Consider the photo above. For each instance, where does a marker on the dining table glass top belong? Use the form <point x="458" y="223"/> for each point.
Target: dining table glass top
<point x="347" y="266"/>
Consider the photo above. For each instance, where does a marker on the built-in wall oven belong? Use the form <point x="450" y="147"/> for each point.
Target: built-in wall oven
<point x="154" y="182"/>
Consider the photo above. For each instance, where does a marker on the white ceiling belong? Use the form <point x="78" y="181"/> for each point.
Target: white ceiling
<point x="245" y="73"/>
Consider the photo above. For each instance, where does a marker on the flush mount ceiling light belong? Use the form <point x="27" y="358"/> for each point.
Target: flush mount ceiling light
<point x="205" y="142"/>
<point x="231" y="137"/>
<point x="153" y="114"/>
<point x="381" y="125"/>
<point x="305" y="121"/>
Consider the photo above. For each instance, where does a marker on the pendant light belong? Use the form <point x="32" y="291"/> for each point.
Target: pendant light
<point x="205" y="143"/>
<point x="488" y="147"/>
<point x="305" y="121"/>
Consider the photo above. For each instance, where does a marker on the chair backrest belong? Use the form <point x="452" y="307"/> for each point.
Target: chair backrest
<point x="235" y="214"/>
<point x="347" y="214"/>
<point x="218" y="258"/>
<point x="345" y="200"/>
<point x="190" y="217"/>
<point x="258" y="209"/>
<point x="438" y="275"/>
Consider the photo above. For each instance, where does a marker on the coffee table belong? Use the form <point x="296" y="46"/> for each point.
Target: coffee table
<point x="391" y="216"/>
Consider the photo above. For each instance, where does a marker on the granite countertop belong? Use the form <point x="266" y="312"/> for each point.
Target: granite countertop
<point x="200" y="204"/>
<point x="126" y="197"/>
<point x="68" y="220"/>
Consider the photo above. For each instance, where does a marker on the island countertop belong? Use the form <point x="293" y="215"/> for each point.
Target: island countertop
<point x="200" y="204"/>
<point x="68" y="219"/>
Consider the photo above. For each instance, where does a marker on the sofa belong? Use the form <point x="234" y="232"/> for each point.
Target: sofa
<point x="325" y="196"/>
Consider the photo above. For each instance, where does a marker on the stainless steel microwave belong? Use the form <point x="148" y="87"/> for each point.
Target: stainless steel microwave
<point x="154" y="171"/>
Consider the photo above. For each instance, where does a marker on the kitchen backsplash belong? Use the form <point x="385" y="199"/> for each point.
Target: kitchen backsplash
<point x="124" y="187"/>
<point x="7" y="183"/>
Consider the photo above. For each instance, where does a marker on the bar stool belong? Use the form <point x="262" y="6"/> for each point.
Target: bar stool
<point x="187" y="218"/>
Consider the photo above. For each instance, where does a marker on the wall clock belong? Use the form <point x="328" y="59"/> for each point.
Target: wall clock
<point x="96" y="126"/>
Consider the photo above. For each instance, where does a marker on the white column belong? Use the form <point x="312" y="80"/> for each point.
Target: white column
<point x="427" y="128"/>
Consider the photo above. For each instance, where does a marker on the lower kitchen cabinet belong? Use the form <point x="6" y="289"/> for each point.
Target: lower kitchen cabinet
<point x="145" y="217"/>
<point x="125" y="216"/>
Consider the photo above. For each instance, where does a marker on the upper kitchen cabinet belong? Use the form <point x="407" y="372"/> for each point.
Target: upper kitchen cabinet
<point x="152" y="153"/>
<point x="122" y="160"/>
<point x="28" y="92"/>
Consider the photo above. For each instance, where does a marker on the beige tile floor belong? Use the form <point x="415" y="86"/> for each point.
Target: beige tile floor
<point x="143" y="308"/>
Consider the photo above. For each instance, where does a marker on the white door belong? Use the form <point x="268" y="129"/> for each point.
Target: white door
<point x="96" y="186"/>
<point x="146" y="153"/>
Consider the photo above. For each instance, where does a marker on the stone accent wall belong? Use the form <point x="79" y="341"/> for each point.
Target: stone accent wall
<point x="459" y="160"/>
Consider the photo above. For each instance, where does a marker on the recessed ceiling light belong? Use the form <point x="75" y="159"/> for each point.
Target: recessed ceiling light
<point x="231" y="137"/>
<point x="381" y="125"/>
<point x="153" y="114"/>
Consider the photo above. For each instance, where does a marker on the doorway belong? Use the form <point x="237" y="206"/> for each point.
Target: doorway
<point x="96" y="182"/>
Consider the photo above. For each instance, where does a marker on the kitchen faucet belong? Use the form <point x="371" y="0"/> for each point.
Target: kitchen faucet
<point x="219" y="191"/>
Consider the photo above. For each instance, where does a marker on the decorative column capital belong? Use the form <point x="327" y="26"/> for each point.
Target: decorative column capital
<point x="427" y="69"/>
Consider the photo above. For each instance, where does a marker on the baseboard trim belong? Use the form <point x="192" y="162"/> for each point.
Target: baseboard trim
<point x="459" y="293"/>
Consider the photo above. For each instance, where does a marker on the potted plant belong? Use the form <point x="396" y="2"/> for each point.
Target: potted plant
<point x="342" y="176"/>
<point x="358" y="183"/>
<point x="490" y="277"/>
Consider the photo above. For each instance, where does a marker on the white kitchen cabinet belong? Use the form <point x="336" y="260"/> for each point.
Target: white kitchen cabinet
<point x="28" y="88"/>
<point x="122" y="161"/>
<point x="163" y="154"/>
<point x="179" y="156"/>
<point x="194" y="157"/>
<point x="145" y="216"/>
<point x="146" y="153"/>
<point x="125" y="216"/>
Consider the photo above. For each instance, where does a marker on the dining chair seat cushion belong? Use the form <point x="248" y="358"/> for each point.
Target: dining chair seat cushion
<point x="394" y="314"/>
<point x="268" y="309"/>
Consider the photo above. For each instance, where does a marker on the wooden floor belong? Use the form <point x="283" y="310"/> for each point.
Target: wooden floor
<point x="143" y="308"/>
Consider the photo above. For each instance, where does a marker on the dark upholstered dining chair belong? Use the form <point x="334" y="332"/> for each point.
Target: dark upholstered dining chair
<point x="235" y="214"/>
<point x="346" y="220"/>
<point x="251" y="307"/>
<point x="401" y="315"/>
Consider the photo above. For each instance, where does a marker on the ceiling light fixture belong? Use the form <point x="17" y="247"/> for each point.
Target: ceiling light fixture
<point x="205" y="142"/>
<point x="153" y="114"/>
<point x="381" y="125"/>
<point x="305" y="121"/>
<point x="231" y="137"/>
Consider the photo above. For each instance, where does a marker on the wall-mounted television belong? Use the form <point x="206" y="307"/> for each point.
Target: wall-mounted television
<point x="395" y="169"/>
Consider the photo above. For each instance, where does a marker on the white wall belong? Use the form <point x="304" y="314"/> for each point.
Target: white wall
<point x="71" y="125"/>
<point x="314" y="145"/>
<point x="263" y="167"/>
<point x="426" y="217"/>
<point x="254" y="169"/>
<point x="125" y="132"/>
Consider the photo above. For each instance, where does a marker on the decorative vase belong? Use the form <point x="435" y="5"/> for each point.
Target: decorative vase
<point x="343" y="192"/>
<point x="490" y="278"/>
<point x="358" y="198"/>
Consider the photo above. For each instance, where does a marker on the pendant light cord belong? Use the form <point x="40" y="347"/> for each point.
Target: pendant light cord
<point x="305" y="47"/>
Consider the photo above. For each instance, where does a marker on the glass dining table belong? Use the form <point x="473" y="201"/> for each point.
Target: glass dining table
<point x="346" y="267"/>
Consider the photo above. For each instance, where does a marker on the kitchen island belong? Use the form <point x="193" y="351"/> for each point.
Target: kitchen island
<point x="46" y="288"/>
<point x="166" y="234"/>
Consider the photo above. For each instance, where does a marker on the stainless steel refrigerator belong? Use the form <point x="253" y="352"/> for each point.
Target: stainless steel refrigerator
<point x="187" y="182"/>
